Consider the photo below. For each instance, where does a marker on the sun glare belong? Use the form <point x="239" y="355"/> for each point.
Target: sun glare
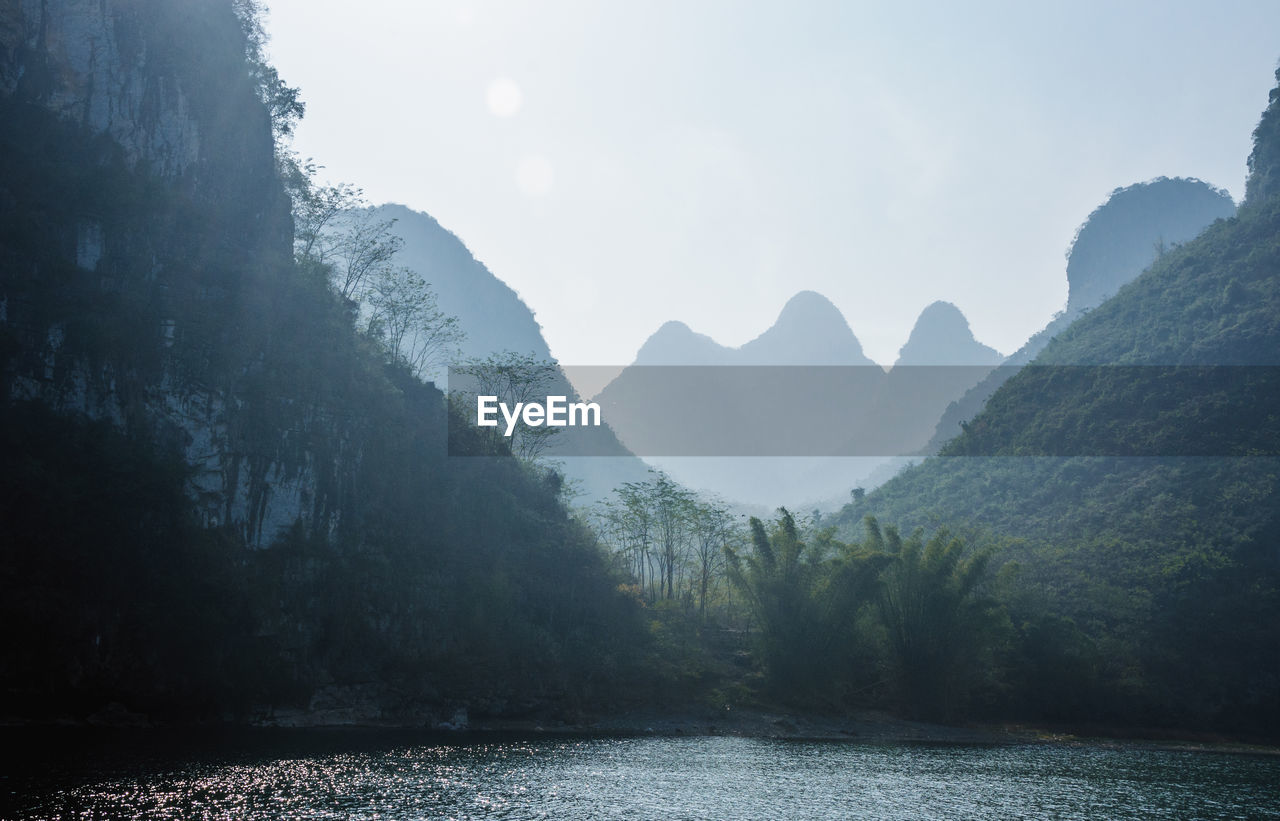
<point x="504" y="97"/>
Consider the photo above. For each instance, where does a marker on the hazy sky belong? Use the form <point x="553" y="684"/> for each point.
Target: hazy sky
<point x="624" y="164"/>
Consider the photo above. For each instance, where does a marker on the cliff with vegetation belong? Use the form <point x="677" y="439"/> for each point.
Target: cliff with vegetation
<point x="1118" y="241"/>
<point x="1130" y="475"/>
<point x="220" y="498"/>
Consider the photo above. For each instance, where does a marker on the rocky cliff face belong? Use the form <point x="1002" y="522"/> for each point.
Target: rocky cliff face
<point x="143" y="235"/>
<point x="91" y="63"/>
<point x="175" y="389"/>
<point x="1264" y="160"/>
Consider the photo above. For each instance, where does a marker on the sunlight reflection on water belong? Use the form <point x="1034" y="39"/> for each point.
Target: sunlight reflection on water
<point x="694" y="778"/>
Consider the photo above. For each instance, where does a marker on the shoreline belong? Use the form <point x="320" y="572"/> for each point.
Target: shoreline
<point x="868" y="727"/>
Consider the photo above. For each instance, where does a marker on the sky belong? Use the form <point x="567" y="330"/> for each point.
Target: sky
<point x="625" y="164"/>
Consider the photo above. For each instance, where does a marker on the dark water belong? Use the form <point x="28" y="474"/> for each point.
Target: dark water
<point x="390" y="776"/>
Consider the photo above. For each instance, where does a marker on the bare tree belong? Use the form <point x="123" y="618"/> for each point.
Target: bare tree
<point x="317" y="211"/>
<point x="405" y="318"/>
<point x="362" y="249"/>
<point x="336" y="230"/>
<point x="515" y="379"/>
<point x="628" y="525"/>
<point x="714" y="530"/>
<point x="672" y="507"/>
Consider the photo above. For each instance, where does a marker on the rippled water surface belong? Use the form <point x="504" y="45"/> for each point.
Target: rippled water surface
<point x="393" y="776"/>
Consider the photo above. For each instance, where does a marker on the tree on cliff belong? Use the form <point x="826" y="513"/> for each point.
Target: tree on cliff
<point x="405" y="319"/>
<point x="340" y="238"/>
<point x="1264" y="160"/>
<point x="284" y="102"/>
<point x="515" y="379"/>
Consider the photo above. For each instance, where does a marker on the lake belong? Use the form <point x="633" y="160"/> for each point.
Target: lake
<point x="397" y="775"/>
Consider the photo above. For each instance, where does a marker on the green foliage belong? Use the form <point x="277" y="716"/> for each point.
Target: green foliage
<point x="514" y="378"/>
<point x="672" y="542"/>
<point x="1264" y="160"/>
<point x="941" y="632"/>
<point x="783" y="580"/>
<point x="283" y="102"/>
<point x="431" y="581"/>
<point x="1121" y="608"/>
<point x="804" y="597"/>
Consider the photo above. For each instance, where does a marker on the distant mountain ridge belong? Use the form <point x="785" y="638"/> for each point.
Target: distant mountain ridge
<point x="1137" y="223"/>
<point x="891" y="412"/>
<point x="808" y="331"/>
<point x="942" y="336"/>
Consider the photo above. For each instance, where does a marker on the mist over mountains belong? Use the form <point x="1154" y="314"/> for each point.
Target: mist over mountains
<point x="1118" y="241"/>
<point x="941" y="336"/>
<point x="889" y="412"/>
<point x="1113" y="245"/>
<point x="492" y="315"/>
<point x="495" y="322"/>
<point x="808" y="331"/>
<point x="227" y="494"/>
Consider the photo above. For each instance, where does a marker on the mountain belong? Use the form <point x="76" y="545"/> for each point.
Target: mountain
<point x="1130" y="473"/>
<point x="676" y="343"/>
<point x="808" y="331"/>
<point x="495" y="321"/>
<point x="1135" y="225"/>
<point x="829" y="429"/>
<point x="491" y="313"/>
<point x="1264" y="160"/>
<point x="219" y="501"/>
<point x="1118" y="241"/>
<point x="941" y="336"/>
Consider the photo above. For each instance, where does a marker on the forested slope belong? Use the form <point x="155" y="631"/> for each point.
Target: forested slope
<point x="1137" y="498"/>
<point x="219" y="499"/>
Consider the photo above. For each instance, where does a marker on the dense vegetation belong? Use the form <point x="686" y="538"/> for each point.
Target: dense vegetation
<point x="1117" y="518"/>
<point x="1141" y="499"/>
<point x="1038" y="570"/>
<point x="411" y="584"/>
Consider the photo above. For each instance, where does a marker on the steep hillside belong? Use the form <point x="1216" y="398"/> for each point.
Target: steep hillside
<point x="219" y="500"/>
<point x="1142" y="501"/>
<point x="1264" y="160"/>
<point x="492" y="315"/>
<point x="1123" y="235"/>
<point x="1118" y="241"/>
<point x="496" y="321"/>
